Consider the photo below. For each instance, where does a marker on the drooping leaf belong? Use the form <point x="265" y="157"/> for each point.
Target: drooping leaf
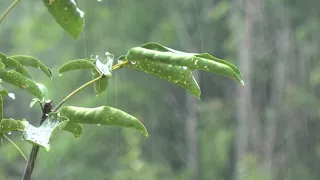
<point x="42" y="135"/>
<point x="76" y="65"/>
<point x="20" y="81"/>
<point x="32" y="62"/>
<point x="175" y="74"/>
<point x="153" y="52"/>
<point x="14" y="64"/>
<point x="102" y="115"/>
<point x="73" y="128"/>
<point x="100" y="85"/>
<point x="67" y="15"/>
<point x="8" y="125"/>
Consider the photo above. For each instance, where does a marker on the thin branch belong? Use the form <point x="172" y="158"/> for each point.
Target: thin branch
<point x="6" y="12"/>
<point x="76" y="91"/>
<point x="22" y="154"/>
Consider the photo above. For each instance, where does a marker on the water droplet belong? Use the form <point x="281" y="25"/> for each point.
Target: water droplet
<point x="184" y="67"/>
<point x="9" y="133"/>
<point x="133" y="62"/>
<point x="60" y="74"/>
<point x="98" y="124"/>
<point x="65" y="8"/>
<point x="206" y="67"/>
<point x="99" y="0"/>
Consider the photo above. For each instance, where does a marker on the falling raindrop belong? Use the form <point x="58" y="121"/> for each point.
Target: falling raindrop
<point x="9" y="133"/>
<point x="184" y="67"/>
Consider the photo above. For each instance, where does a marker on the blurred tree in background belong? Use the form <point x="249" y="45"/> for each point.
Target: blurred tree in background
<point x="265" y="130"/>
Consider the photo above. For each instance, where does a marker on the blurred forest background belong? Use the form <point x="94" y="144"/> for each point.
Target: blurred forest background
<point x="267" y="130"/>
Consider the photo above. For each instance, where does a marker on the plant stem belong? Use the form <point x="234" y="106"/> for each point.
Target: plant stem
<point x="76" y="91"/>
<point x="46" y="109"/>
<point x="22" y="154"/>
<point x="6" y="12"/>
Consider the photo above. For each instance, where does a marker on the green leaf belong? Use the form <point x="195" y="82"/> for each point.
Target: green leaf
<point x="32" y="62"/>
<point x="77" y="65"/>
<point x="44" y="92"/>
<point x="12" y="63"/>
<point x="73" y="128"/>
<point x="153" y="52"/>
<point x="8" y="125"/>
<point x="102" y="115"/>
<point x="20" y="81"/>
<point x="67" y="15"/>
<point x="100" y="85"/>
<point x="42" y="135"/>
<point x="175" y="74"/>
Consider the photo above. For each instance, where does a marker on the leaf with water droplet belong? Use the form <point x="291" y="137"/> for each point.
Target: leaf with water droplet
<point x="32" y="62"/>
<point x="153" y="52"/>
<point x="77" y="64"/>
<point x="102" y="115"/>
<point x="67" y="15"/>
<point x="42" y="135"/>
<point x="102" y="84"/>
<point x="8" y="125"/>
<point x="16" y="79"/>
<point x="74" y="128"/>
<point x="11" y="63"/>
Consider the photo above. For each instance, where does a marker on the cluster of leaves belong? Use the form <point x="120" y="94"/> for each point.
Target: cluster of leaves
<point x="152" y="58"/>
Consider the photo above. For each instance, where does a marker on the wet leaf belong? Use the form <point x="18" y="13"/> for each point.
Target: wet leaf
<point x="9" y="125"/>
<point x="102" y="115"/>
<point x="77" y="64"/>
<point x="20" y="81"/>
<point x="73" y="128"/>
<point x="42" y="135"/>
<point x="162" y="58"/>
<point x="44" y="92"/>
<point x="100" y="85"/>
<point x="175" y="74"/>
<point x="32" y="62"/>
<point x="14" y="64"/>
<point x="67" y="15"/>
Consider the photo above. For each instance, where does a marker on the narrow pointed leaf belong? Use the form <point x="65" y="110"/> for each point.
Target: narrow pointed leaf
<point x="102" y="115"/>
<point x="77" y="64"/>
<point x="67" y="15"/>
<point x="12" y="63"/>
<point x="32" y="62"/>
<point x="100" y="85"/>
<point x="20" y="81"/>
<point x="42" y="135"/>
<point x="73" y="128"/>
<point x="9" y="125"/>
<point x="160" y="54"/>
